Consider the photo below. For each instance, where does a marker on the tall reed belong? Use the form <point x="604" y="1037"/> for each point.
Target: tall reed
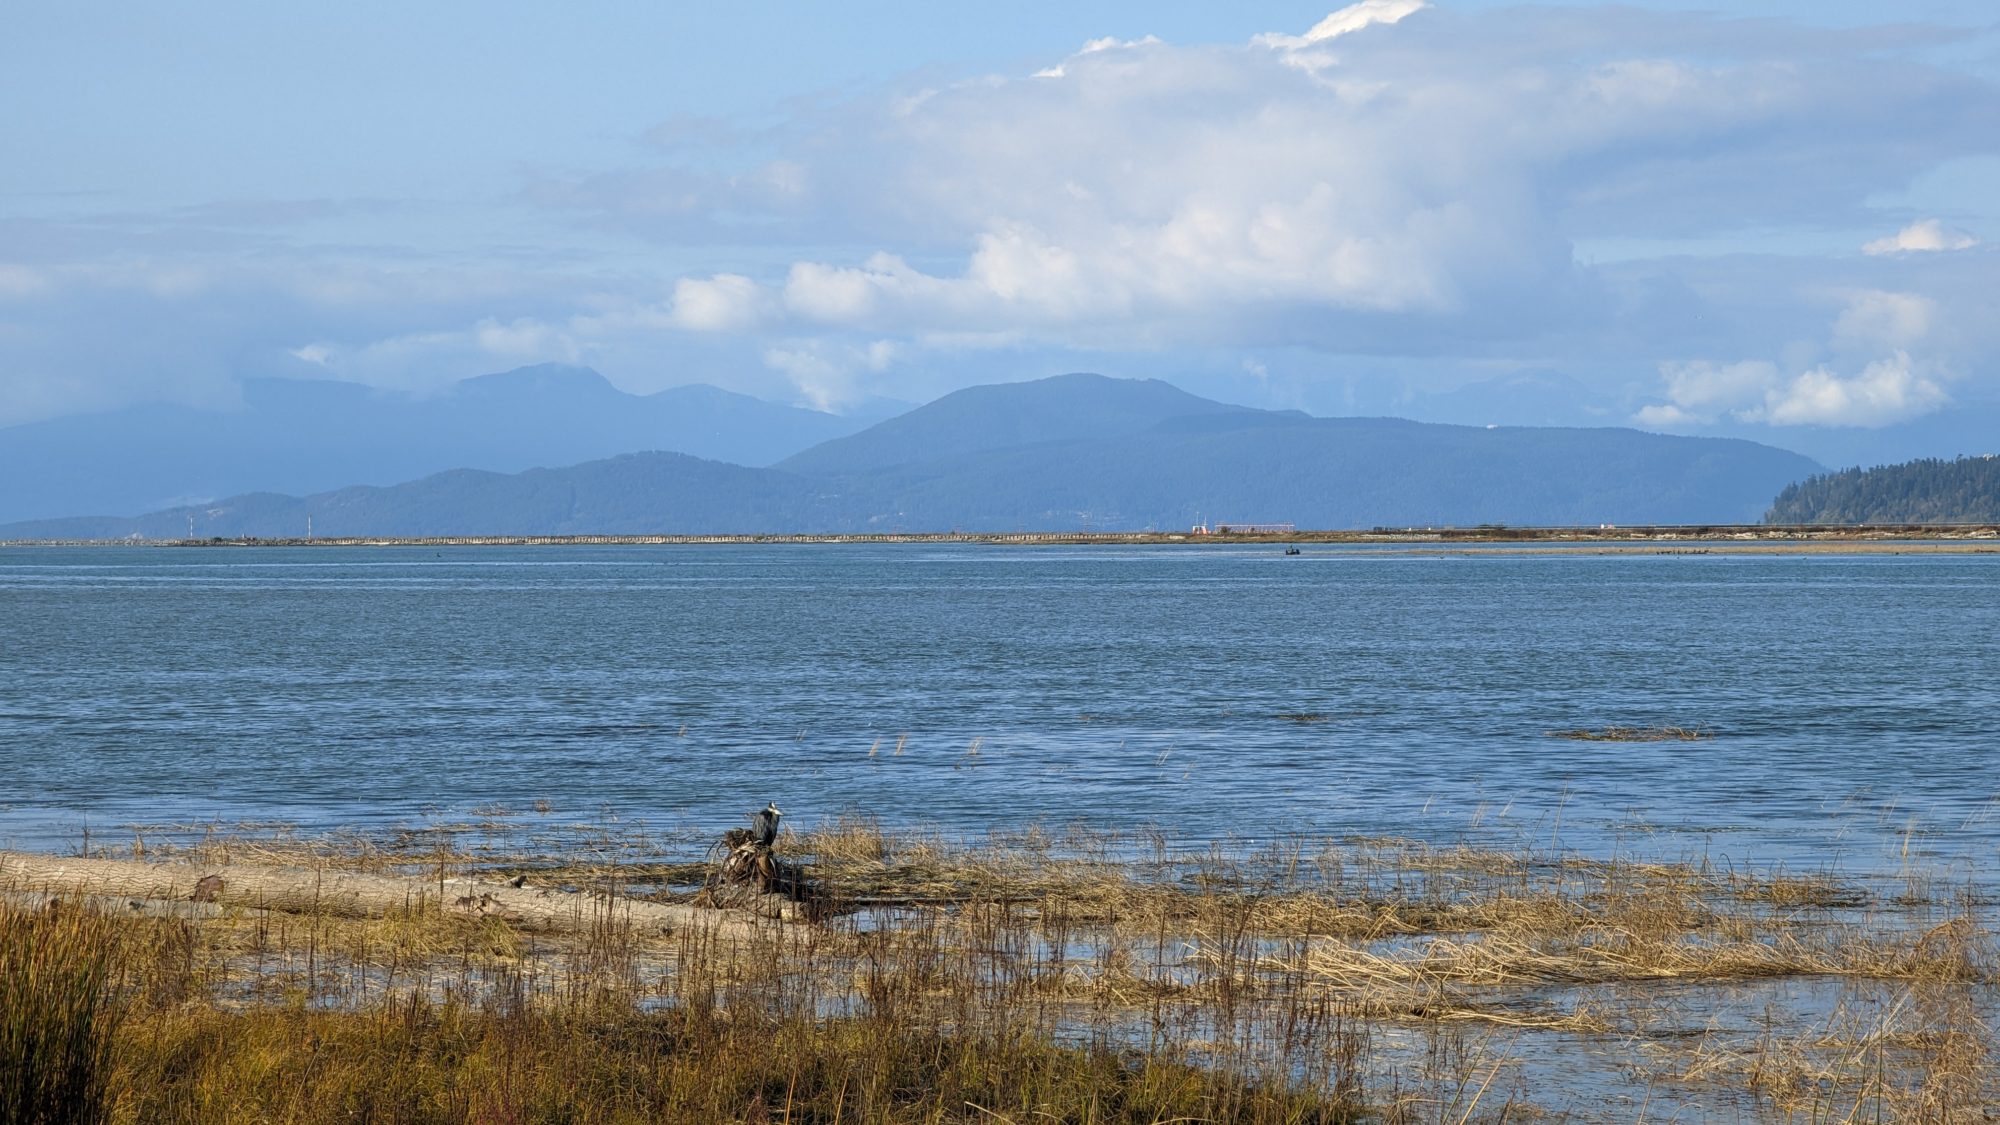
<point x="56" y="1015"/>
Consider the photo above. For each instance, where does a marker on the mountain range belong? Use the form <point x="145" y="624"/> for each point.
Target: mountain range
<point x="301" y="437"/>
<point x="1068" y="452"/>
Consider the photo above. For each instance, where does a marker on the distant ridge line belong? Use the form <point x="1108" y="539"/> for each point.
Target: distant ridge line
<point x="1069" y="453"/>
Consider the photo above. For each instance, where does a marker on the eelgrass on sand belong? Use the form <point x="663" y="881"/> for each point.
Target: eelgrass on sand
<point x="1026" y="977"/>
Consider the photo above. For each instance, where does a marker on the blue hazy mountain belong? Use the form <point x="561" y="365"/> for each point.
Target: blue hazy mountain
<point x="302" y="437"/>
<point x="635" y="493"/>
<point x="1172" y="459"/>
<point x="1257" y="467"/>
<point x="1533" y="397"/>
<point x="1076" y="407"/>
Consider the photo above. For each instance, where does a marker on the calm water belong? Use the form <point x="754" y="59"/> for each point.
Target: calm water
<point x="1855" y="699"/>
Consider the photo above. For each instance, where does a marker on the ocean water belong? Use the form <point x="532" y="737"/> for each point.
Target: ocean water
<point x="1226" y="693"/>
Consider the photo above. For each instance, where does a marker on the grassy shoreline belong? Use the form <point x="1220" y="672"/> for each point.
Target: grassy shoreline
<point x="1039" y="975"/>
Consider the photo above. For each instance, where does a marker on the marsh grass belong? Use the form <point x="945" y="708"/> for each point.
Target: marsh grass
<point x="417" y="1060"/>
<point x="56" y="1018"/>
<point x="1043" y="974"/>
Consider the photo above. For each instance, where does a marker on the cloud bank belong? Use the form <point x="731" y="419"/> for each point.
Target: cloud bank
<point x="1885" y="390"/>
<point x="1394" y="179"/>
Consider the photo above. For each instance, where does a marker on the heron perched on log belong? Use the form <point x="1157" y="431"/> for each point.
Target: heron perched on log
<point x="747" y="853"/>
<point x="764" y="825"/>
<point x="743" y="869"/>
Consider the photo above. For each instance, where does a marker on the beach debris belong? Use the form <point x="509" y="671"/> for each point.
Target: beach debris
<point x="745" y="872"/>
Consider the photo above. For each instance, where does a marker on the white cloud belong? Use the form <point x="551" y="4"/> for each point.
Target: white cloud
<point x="1409" y="187"/>
<point x="1093" y="47"/>
<point x="1346" y="21"/>
<point x="525" y="340"/>
<point x="1887" y="391"/>
<point x="828" y="375"/>
<point x="1923" y="236"/>
<point x="1702" y="391"/>
<point x="1667" y="416"/>
<point x="1879" y="317"/>
<point x="726" y="302"/>
<point x="833" y="295"/>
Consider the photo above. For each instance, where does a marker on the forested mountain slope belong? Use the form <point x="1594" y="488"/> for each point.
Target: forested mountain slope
<point x="1964" y="490"/>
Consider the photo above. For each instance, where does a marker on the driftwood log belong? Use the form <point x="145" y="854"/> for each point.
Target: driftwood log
<point x="129" y="907"/>
<point x="745" y="874"/>
<point x="305" y="890"/>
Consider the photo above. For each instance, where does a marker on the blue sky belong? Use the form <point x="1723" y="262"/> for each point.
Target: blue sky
<point x="1764" y="217"/>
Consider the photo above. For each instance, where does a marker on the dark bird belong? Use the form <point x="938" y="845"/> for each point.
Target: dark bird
<point x="764" y="825"/>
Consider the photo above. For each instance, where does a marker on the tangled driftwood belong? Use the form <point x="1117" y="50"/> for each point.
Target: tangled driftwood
<point x="745" y="872"/>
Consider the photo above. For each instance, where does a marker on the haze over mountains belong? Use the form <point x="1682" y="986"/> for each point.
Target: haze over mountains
<point x="1542" y="397"/>
<point x="1064" y="453"/>
<point x="294" y="436"/>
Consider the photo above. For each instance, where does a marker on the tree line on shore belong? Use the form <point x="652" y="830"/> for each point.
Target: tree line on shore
<point x="1930" y="490"/>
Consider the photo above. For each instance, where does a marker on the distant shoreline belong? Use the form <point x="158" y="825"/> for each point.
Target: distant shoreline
<point x="1706" y="538"/>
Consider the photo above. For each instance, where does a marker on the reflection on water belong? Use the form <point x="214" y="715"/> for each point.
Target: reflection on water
<point x="1851" y="696"/>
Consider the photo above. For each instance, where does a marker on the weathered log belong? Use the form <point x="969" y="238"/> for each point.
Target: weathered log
<point x="305" y="890"/>
<point x="745" y="874"/>
<point x="125" y="907"/>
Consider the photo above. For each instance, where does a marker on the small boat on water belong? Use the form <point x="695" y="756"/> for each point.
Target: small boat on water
<point x="1293" y="551"/>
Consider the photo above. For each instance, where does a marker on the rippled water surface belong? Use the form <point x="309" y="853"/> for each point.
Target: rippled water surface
<point x="1854" y="699"/>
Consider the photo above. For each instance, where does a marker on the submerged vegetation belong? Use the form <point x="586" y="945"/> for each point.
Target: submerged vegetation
<point x="1033" y="976"/>
<point x="1634" y="734"/>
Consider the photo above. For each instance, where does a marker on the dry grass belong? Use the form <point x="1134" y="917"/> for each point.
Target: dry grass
<point x="1046" y="974"/>
<point x="1918" y="1053"/>
<point x="453" y="1062"/>
<point x="55" y="1024"/>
